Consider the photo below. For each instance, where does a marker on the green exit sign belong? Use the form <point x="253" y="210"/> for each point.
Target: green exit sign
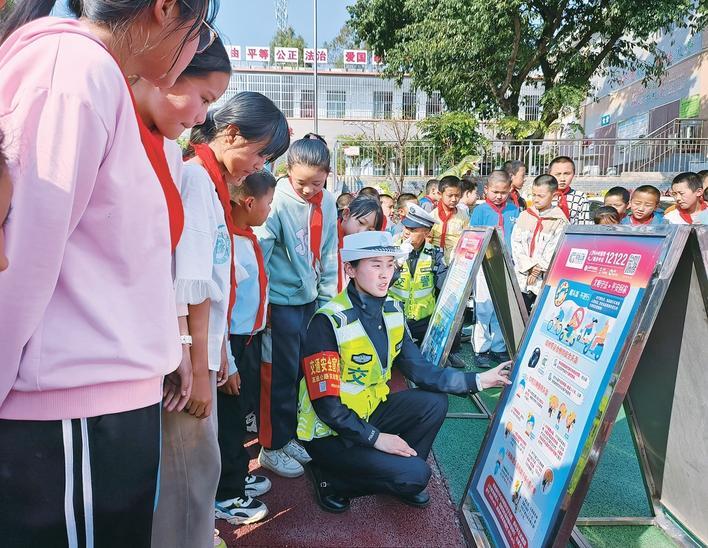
<point x="605" y="120"/>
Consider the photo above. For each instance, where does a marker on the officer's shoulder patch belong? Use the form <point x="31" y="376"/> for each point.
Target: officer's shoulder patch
<point x="362" y="358"/>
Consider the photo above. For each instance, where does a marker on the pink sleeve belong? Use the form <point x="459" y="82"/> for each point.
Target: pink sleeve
<point x="56" y="146"/>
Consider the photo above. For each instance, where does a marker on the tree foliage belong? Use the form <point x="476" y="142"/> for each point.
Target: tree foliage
<point x="455" y="134"/>
<point x="479" y="53"/>
<point x="346" y="39"/>
<point x="287" y="38"/>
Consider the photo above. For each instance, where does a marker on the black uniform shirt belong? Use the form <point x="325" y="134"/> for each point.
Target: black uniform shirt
<point x="330" y="409"/>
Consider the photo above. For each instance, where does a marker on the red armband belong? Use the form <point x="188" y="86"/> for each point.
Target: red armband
<point x="322" y="374"/>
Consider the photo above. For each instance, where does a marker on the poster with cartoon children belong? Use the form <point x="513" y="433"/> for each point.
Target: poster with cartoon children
<point x="563" y="367"/>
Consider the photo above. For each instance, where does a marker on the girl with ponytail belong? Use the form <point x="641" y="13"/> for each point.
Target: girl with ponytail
<point x="88" y="327"/>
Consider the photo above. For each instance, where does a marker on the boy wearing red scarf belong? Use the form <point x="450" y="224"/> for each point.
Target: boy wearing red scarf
<point x="575" y="205"/>
<point x="497" y="210"/>
<point x="451" y="221"/>
<point x="687" y="189"/>
<point x="235" y="496"/>
<point x="535" y="237"/>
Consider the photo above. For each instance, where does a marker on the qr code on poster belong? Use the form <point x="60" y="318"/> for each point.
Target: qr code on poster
<point x="576" y="258"/>
<point x="632" y="264"/>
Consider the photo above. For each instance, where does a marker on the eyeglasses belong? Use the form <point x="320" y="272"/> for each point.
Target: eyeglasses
<point x="207" y="34"/>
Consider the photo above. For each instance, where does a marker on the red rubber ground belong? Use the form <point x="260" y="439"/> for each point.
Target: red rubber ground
<point x="296" y="520"/>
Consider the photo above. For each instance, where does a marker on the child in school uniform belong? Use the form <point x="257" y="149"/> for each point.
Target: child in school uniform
<point x="574" y="204"/>
<point x="362" y="214"/>
<point x="299" y="242"/>
<point x="535" y="237"/>
<point x="235" y="496"/>
<point x="618" y="197"/>
<point x="606" y="215"/>
<point x="497" y="210"/>
<point x="450" y="222"/>
<point x="643" y="207"/>
<point x="517" y="171"/>
<point x="687" y="189"/>
<point x="402" y="204"/>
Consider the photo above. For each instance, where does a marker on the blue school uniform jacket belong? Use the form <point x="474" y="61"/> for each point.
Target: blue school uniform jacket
<point x="484" y="215"/>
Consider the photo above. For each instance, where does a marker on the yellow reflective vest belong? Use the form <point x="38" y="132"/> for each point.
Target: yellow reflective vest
<point x="364" y="379"/>
<point x="417" y="291"/>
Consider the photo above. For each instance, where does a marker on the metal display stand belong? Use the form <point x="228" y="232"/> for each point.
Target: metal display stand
<point x="446" y="321"/>
<point x="666" y="402"/>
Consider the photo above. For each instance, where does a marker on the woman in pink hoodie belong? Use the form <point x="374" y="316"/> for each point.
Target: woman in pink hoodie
<point x="88" y="326"/>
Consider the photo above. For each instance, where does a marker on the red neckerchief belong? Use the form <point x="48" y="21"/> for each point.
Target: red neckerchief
<point x="686" y="216"/>
<point x="499" y="210"/>
<point x="563" y="201"/>
<point x="340" y="266"/>
<point x="514" y="195"/>
<point x="635" y="222"/>
<point x="536" y="231"/>
<point x="316" y="228"/>
<point x="211" y="164"/>
<point x="444" y="217"/>
<point x="384" y="223"/>
<point x="262" y="277"/>
<point x="154" y="145"/>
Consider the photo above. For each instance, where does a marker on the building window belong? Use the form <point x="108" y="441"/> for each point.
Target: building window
<point x="287" y="96"/>
<point x="336" y="102"/>
<point x="410" y="99"/>
<point x="433" y="105"/>
<point x="307" y="103"/>
<point x="532" y="108"/>
<point x="383" y="104"/>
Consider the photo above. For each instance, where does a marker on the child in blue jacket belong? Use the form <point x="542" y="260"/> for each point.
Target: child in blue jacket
<point x="497" y="210"/>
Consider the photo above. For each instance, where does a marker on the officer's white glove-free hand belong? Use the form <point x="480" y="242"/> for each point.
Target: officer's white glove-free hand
<point x="499" y="376"/>
<point x="393" y="444"/>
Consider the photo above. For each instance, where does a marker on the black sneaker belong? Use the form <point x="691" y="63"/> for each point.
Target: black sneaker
<point x="499" y="357"/>
<point x="455" y="360"/>
<point x="327" y="498"/>
<point x="483" y="359"/>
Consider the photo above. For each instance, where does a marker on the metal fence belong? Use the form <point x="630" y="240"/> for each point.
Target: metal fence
<point x="390" y="164"/>
<point x="602" y="157"/>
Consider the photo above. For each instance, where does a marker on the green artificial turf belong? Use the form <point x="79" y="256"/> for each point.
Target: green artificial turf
<point x="617" y="488"/>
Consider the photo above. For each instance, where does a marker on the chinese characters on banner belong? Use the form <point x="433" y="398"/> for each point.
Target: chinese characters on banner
<point x="234" y="52"/>
<point x="287" y="55"/>
<point x="322" y="56"/>
<point x="558" y="395"/>
<point x="440" y="328"/>
<point x="258" y="53"/>
<point x="356" y="57"/>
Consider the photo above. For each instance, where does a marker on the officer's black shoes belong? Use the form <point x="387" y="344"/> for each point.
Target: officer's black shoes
<point x="421" y="500"/>
<point x="483" y="359"/>
<point x="456" y="361"/>
<point x="327" y="498"/>
<point x="499" y="357"/>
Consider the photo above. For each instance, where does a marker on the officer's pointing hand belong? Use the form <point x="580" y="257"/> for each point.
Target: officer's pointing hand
<point x="499" y="376"/>
<point x="395" y="445"/>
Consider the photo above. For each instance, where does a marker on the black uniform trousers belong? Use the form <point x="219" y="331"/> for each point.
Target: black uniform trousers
<point x="418" y="328"/>
<point x="280" y="375"/>
<point x="416" y="416"/>
<point x="232" y="411"/>
<point x="80" y="482"/>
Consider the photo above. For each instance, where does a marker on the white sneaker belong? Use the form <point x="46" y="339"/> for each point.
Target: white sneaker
<point x="278" y="461"/>
<point x="240" y="511"/>
<point x="257" y="485"/>
<point x="297" y="451"/>
<point x="251" y="425"/>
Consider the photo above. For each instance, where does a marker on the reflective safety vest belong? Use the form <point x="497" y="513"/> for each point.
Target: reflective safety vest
<point x="364" y="379"/>
<point x="417" y="291"/>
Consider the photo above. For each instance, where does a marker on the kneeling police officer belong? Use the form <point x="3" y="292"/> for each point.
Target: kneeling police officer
<point x="362" y="439"/>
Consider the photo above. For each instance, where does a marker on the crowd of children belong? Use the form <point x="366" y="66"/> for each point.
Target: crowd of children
<point x="128" y="368"/>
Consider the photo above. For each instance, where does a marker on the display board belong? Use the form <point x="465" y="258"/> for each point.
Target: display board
<point x="569" y="380"/>
<point x="449" y="310"/>
<point x="478" y="247"/>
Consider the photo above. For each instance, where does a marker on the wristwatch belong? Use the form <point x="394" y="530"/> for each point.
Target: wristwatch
<point x="185" y="339"/>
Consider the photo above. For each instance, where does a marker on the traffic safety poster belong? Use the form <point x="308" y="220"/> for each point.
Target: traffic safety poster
<point x="561" y="383"/>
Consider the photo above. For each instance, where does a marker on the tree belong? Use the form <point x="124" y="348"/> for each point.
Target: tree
<point x="479" y="53"/>
<point x="389" y="144"/>
<point x="346" y="39"/>
<point x="287" y="38"/>
<point x="456" y="134"/>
